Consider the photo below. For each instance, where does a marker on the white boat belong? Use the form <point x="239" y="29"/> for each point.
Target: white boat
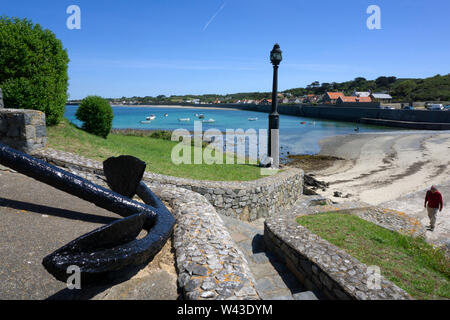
<point x="145" y="122"/>
<point x="152" y="117"/>
<point x="184" y="119"/>
<point x="166" y="115"/>
<point x="209" y="121"/>
<point x="252" y="119"/>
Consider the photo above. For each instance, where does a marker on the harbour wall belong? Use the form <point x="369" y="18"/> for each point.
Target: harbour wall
<point x="412" y="119"/>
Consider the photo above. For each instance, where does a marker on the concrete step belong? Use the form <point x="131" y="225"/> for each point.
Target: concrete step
<point x="306" y="295"/>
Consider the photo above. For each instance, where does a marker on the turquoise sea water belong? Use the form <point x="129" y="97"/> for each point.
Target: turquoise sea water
<point x="295" y="138"/>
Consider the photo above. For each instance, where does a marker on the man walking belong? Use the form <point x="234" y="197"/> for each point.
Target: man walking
<point x="434" y="200"/>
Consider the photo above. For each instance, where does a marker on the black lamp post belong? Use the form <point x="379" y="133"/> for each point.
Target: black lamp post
<point x="274" y="117"/>
<point x="1" y="99"/>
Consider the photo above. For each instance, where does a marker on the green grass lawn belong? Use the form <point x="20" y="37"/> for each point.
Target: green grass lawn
<point x="155" y="152"/>
<point x="410" y="263"/>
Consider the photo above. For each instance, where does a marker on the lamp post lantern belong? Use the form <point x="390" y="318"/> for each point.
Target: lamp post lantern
<point x="274" y="117"/>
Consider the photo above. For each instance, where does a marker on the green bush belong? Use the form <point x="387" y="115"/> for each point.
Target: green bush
<point x="33" y="68"/>
<point x="161" y="134"/>
<point x="96" y="115"/>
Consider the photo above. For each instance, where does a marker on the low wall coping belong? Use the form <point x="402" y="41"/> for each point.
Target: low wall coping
<point x="323" y="266"/>
<point x="244" y="200"/>
<point x="96" y="166"/>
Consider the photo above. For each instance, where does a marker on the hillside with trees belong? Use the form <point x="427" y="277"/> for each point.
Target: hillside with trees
<point x="436" y="88"/>
<point x="431" y="89"/>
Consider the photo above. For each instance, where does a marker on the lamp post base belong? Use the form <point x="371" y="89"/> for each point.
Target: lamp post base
<point x="275" y="151"/>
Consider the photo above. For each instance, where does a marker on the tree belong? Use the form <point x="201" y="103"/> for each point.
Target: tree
<point x="33" y="68"/>
<point x="382" y="82"/>
<point x="96" y="115"/>
<point x="403" y="90"/>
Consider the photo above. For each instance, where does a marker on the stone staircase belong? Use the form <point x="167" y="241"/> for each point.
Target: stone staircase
<point x="273" y="279"/>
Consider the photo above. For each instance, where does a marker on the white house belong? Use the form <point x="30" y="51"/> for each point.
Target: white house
<point x="381" y="97"/>
<point x="361" y="94"/>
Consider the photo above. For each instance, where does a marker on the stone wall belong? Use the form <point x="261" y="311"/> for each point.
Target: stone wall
<point x="209" y="264"/>
<point x="407" y="124"/>
<point x="436" y="120"/>
<point x="323" y="267"/>
<point x="246" y="200"/>
<point x="23" y="130"/>
<point x="355" y="114"/>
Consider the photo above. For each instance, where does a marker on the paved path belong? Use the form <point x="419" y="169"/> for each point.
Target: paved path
<point x="273" y="280"/>
<point x="412" y="205"/>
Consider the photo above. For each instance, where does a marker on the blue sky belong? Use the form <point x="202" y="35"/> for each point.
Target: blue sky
<point x="137" y="47"/>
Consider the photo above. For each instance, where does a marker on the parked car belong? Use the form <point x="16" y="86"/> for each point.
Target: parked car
<point x="447" y="108"/>
<point x="389" y="108"/>
<point x="435" y="107"/>
<point x="408" y="108"/>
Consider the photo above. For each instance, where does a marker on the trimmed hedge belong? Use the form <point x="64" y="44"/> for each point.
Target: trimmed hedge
<point x="33" y="68"/>
<point x="96" y="115"/>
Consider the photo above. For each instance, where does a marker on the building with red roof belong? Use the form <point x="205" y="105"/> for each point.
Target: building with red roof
<point x="353" y="99"/>
<point x="331" y="97"/>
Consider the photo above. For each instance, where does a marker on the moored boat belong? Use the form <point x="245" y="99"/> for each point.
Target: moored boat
<point x="184" y="119"/>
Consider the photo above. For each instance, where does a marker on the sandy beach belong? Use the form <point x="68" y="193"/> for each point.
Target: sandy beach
<point x="383" y="167"/>
<point x="393" y="170"/>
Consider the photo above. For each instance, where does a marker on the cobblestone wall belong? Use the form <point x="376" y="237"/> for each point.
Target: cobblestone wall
<point x="23" y="130"/>
<point x="209" y="264"/>
<point x="247" y="200"/>
<point x="323" y="267"/>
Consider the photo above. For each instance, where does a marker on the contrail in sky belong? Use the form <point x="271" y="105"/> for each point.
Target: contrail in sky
<point x="215" y="14"/>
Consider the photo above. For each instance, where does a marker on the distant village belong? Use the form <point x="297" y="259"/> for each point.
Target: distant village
<point x="332" y="98"/>
<point x="360" y="91"/>
<point x="327" y="98"/>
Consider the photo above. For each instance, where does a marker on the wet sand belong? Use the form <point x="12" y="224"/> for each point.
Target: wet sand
<point x="383" y="167"/>
<point x="392" y="170"/>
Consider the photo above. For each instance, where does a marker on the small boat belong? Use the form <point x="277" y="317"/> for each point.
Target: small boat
<point x="196" y="115"/>
<point x="209" y="121"/>
<point x="184" y="119"/>
<point x="201" y="116"/>
<point x="152" y="117"/>
<point x="166" y="115"/>
<point x="145" y="122"/>
<point x="303" y="122"/>
<point x="252" y="119"/>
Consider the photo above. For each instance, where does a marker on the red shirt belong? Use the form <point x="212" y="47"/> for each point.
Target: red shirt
<point x="434" y="199"/>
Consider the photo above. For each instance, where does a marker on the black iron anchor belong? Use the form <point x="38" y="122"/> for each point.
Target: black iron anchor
<point x="112" y="247"/>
